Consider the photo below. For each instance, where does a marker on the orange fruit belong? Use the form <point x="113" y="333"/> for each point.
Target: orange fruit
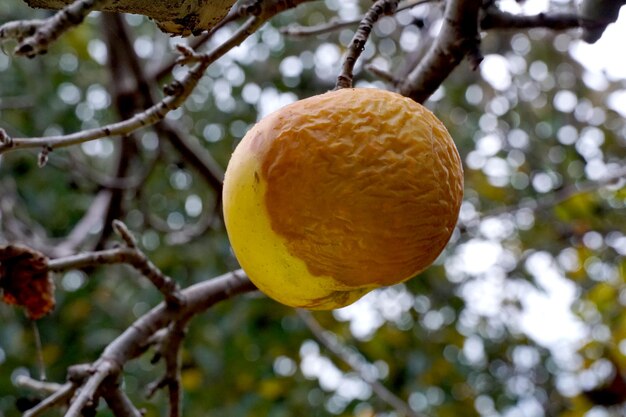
<point x="338" y="194"/>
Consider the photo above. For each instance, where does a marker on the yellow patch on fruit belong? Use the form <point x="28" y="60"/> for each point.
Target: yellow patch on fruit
<point x="338" y="194"/>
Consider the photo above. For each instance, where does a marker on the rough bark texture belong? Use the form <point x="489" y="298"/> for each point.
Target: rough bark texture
<point x="178" y="17"/>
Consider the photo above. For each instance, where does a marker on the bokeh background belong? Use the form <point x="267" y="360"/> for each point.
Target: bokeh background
<point x="522" y="315"/>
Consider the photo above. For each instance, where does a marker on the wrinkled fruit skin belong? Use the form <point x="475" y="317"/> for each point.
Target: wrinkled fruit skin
<point x="338" y="194"/>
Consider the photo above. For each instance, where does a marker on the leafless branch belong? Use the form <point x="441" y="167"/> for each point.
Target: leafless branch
<point x="102" y="369"/>
<point x="458" y="38"/>
<point x="336" y="24"/>
<point x="169" y="350"/>
<point x="179" y="90"/>
<point x="118" y="401"/>
<point x="37" y="385"/>
<point x="35" y="36"/>
<point x="494" y="18"/>
<point x="60" y="396"/>
<point x="382" y="74"/>
<point x="90" y="380"/>
<point x="148" y="117"/>
<point x="357" y="45"/>
<point x="131" y="343"/>
<point x="356" y="364"/>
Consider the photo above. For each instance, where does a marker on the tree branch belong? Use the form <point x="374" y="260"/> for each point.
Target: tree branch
<point x="148" y="117"/>
<point x="132" y="255"/>
<point x="89" y="379"/>
<point x="118" y="401"/>
<point x="458" y="38"/>
<point x="334" y="24"/>
<point x="128" y="345"/>
<point x="357" y="45"/>
<point x="59" y="396"/>
<point x="101" y="369"/>
<point x="494" y="18"/>
<point x="170" y="351"/>
<point x="35" y="36"/>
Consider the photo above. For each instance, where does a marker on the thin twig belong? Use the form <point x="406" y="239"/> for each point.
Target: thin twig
<point x="96" y="258"/>
<point x="129" y="254"/>
<point x="170" y="351"/>
<point x="60" y="396"/>
<point x="382" y="74"/>
<point x="356" y="364"/>
<point x="334" y="24"/>
<point x="168" y="287"/>
<point x="357" y="45"/>
<point x="37" y="385"/>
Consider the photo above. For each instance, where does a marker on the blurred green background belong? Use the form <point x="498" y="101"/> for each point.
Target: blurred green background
<point x="522" y="315"/>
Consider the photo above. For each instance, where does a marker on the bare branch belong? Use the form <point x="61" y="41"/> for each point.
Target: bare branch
<point x="357" y="364"/>
<point x="37" y="385"/>
<point x="494" y="18"/>
<point x="167" y="286"/>
<point x="336" y="24"/>
<point x="357" y="45"/>
<point x="148" y="117"/>
<point x="170" y="351"/>
<point x="131" y="255"/>
<point x="84" y="260"/>
<point x="132" y="342"/>
<point x="35" y="36"/>
<point x="118" y="401"/>
<point x="55" y="399"/>
<point x="101" y="369"/>
<point x="458" y="38"/>
<point x="180" y="89"/>
<point x="382" y="74"/>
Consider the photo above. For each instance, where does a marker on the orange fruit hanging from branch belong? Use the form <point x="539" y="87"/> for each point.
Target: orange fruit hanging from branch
<point x="338" y="194"/>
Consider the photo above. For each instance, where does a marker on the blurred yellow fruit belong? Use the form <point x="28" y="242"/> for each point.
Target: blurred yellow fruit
<point x="338" y="194"/>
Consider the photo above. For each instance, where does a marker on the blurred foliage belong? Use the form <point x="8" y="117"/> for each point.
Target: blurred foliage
<point x="523" y="315"/>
